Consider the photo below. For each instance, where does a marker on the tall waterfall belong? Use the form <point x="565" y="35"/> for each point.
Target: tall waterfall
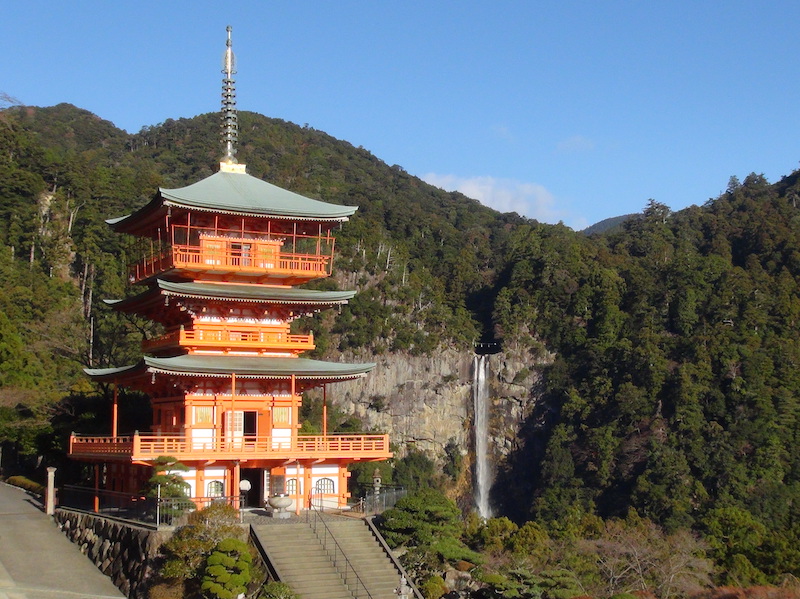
<point x="480" y="396"/>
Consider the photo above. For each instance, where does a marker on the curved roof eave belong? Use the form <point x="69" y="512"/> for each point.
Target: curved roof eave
<point x="107" y="374"/>
<point x="257" y="294"/>
<point x="244" y="194"/>
<point x="237" y="194"/>
<point x="243" y="366"/>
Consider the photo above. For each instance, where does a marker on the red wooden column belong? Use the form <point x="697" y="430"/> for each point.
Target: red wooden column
<point x="344" y="475"/>
<point x="115" y="412"/>
<point x="295" y="408"/>
<point x="324" y="410"/>
<point x="96" y="505"/>
<point x="235" y="479"/>
<point x="298" y="495"/>
<point x="307" y="483"/>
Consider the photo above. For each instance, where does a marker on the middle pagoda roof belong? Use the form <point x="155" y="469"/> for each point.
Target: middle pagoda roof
<point x="154" y="296"/>
<point x="233" y="193"/>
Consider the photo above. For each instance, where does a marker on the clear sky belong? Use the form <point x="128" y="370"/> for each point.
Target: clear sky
<point x="560" y="110"/>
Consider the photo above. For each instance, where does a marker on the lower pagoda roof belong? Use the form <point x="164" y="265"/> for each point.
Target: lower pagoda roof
<point x="250" y="367"/>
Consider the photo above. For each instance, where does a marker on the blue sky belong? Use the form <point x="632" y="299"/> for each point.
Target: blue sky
<point x="562" y="111"/>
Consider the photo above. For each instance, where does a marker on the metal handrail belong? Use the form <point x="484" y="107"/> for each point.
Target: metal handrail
<point x="313" y="518"/>
<point x="273" y="572"/>
<point x="133" y="507"/>
<point x="370" y="520"/>
<point x="382" y="501"/>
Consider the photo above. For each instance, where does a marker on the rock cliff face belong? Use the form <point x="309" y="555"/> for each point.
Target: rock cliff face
<point x="426" y="401"/>
<point x="420" y="400"/>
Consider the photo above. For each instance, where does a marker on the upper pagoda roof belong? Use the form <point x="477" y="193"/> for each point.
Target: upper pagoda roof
<point x="235" y="193"/>
<point x="250" y="367"/>
<point x="232" y="292"/>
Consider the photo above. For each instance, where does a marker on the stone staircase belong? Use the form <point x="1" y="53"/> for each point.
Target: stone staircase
<point x="299" y="559"/>
<point x="367" y="556"/>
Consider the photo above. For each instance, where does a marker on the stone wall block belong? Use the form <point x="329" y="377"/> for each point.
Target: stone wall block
<point x="104" y="547"/>
<point x="94" y="548"/>
<point x="116" y="569"/>
<point x="121" y="551"/>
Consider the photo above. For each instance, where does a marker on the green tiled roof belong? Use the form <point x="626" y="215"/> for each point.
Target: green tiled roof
<point x="242" y="194"/>
<point x="255" y="292"/>
<point x="243" y="366"/>
<point x="241" y="293"/>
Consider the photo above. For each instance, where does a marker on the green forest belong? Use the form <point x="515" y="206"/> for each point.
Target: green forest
<point x="672" y="403"/>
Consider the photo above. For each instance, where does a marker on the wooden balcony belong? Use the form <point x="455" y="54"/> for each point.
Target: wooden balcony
<point x="226" y="337"/>
<point x="304" y="447"/>
<point x="214" y="263"/>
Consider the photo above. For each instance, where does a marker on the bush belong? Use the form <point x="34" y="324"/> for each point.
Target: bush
<point x="166" y="481"/>
<point x="27" y="484"/>
<point x="433" y="588"/>
<point x="416" y="471"/>
<point x="277" y="590"/>
<point x="497" y="533"/>
<point x="188" y="548"/>
<point x="450" y="549"/>
<point x="421" y="519"/>
<point x="227" y="570"/>
<point x="531" y="539"/>
<point x="167" y="590"/>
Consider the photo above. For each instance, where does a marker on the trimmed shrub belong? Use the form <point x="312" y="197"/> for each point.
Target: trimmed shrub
<point x="434" y="587"/>
<point x="227" y="570"/>
<point x="277" y="590"/>
<point x="27" y="484"/>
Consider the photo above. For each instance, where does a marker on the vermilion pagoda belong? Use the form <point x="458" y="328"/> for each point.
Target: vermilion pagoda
<point x="226" y="257"/>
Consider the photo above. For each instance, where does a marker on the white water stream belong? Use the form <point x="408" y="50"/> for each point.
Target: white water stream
<point x="480" y="396"/>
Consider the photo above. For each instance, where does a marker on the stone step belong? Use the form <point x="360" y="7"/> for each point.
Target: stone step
<point x="298" y="556"/>
<point x="315" y="553"/>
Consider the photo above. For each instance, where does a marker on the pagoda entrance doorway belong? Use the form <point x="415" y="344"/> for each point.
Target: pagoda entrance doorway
<point x="241" y="426"/>
<point x="255" y="496"/>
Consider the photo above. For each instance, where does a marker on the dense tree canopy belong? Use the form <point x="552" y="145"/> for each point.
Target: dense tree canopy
<point x="675" y="387"/>
<point x="674" y="390"/>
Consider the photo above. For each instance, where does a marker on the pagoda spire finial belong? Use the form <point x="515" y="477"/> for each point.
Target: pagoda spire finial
<point x="230" y="124"/>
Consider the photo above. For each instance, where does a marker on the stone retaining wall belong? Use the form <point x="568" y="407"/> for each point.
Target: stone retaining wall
<point x="123" y="552"/>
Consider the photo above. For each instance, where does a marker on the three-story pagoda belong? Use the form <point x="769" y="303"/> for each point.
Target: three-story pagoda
<point x="222" y="275"/>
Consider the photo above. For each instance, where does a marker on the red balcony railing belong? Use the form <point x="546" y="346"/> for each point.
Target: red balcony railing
<point x="181" y="447"/>
<point x="242" y="337"/>
<point x="228" y="261"/>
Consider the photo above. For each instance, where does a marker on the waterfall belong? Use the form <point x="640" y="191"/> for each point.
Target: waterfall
<point x="480" y="396"/>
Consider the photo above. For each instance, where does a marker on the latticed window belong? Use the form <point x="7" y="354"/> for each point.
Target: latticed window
<point x="291" y="486"/>
<point x="215" y="488"/>
<point x="281" y="416"/>
<point x="203" y="415"/>
<point x="325" y="486"/>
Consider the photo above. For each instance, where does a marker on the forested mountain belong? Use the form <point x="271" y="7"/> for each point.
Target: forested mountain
<point x="609" y="225"/>
<point x="674" y="390"/>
